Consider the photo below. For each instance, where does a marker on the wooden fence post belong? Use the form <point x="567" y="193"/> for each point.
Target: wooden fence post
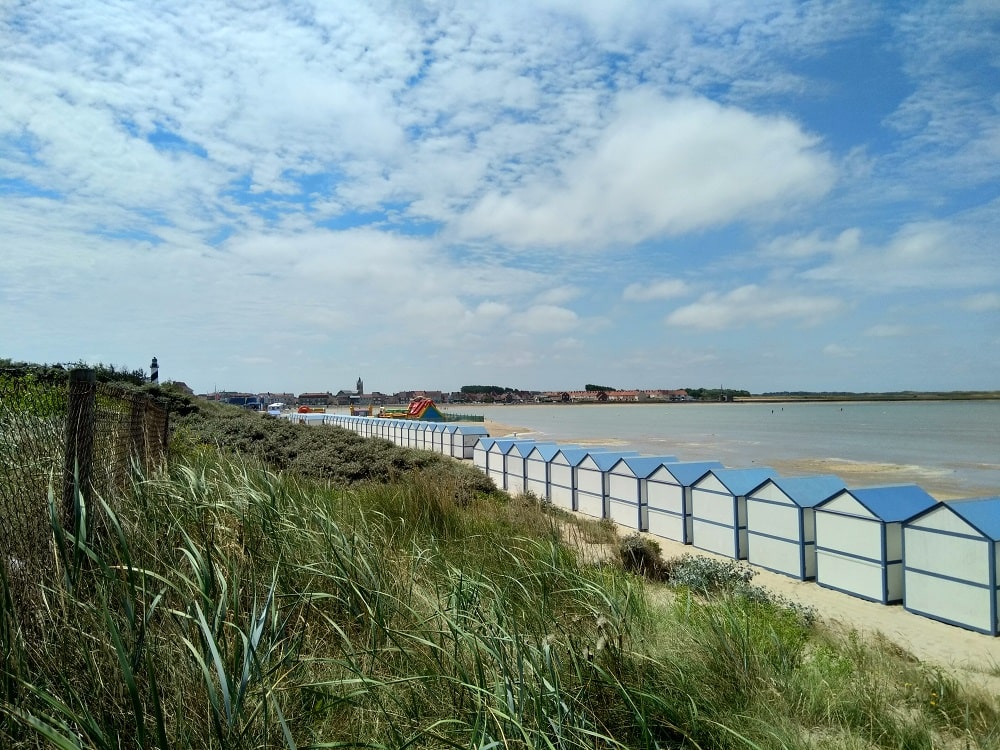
<point x="137" y="430"/>
<point x="81" y="417"/>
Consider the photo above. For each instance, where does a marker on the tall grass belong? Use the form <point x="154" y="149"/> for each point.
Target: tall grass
<point x="232" y="606"/>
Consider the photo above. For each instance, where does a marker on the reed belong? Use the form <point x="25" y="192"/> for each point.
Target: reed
<point x="230" y="605"/>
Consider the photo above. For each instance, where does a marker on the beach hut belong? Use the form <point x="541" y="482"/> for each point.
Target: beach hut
<point x="627" y="489"/>
<point x="781" y="528"/>
<point x="396" y="430"/>
<point x="410" y="433"/>
<point x="465" y="438"/>
<point x="437" y="437"/>
<point x="719" y="509"/>
<point x="536" y="468"/>
<point x="497" y="469"/>
<point x="590" y="495"/>
<point x="668" y="498"/>
<point x="448" y="438"/>
<point x="516" y="469"/>
<point x="424" y="433"/>
<point x="562" y="475"/>
<point x="859" y="540"/>
<point x="481" y="454"/>
<point x="951" y="554"/>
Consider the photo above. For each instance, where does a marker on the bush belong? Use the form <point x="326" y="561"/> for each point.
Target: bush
<point x="707" y="576"/>
<point x="642" y="556"/>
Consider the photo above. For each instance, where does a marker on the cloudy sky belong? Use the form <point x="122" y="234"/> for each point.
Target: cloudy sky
<point x="760" y="194"/>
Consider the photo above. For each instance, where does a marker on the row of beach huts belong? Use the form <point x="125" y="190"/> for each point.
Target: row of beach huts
<point x="889" y="544"/>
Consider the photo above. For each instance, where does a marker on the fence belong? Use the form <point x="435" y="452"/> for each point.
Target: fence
<point x="56" y="436"/>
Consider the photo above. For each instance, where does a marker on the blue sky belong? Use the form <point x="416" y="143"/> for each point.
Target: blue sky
<point x="766" y="195"/>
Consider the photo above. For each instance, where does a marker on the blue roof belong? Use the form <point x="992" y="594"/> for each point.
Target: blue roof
<point x="688" y="472"/>
<point x="643" y="466"/>
<point x="470" y="430"/>
<point x="741" y="481"/>
<point x="605" y="461"/>
<point x="523" y="449"/>
<point x="547" y="450"/>
<point x="485" y="443"/>
<point x="574" y="456"/>
<point x="981" y="512"/>
<point x="894" y="502"/>
<point x="506" y="445"/>
<point x="807" y="492"/>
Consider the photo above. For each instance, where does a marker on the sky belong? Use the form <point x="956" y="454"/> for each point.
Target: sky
<point x="285" y="196"/>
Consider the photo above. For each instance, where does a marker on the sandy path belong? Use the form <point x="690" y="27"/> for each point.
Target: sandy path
<point x="970" y="654"/>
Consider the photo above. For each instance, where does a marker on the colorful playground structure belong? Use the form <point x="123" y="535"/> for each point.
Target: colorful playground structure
<point x="425" y="410"/>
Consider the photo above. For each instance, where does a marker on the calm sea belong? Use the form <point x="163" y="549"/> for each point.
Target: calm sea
<point x="957" y="441"/>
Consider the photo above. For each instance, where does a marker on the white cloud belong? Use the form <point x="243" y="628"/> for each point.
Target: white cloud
<point x="653" y="290"/>
<point x="752" y="304"/>
<point x="932" y="254"/>
<point x="559" y="295"/>
<point x="986" y="302"/>
<point x="798" y="246"/>
<point x="660" y="167"/>
<point x="839" y="351"/>
<point x="545" y="319"/>
<point x="887" y="330"/>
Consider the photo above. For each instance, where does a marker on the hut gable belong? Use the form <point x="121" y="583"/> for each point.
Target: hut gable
<point x="890" y="503"/>
<point x="806" y="492"/>
<point x="736" y="482"/>
<point x="944" y="518"/>
<point x="545" y="451"/>
<point x="684" y="473"/>
<point x="641" y="467"/>
<point x="982" y="513"/>
<point x="846" y="504"/>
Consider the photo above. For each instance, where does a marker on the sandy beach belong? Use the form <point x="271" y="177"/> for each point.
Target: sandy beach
<point x="970" y="655"/>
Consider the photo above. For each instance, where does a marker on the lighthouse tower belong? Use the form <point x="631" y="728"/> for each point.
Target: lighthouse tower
<point x="154" y="372"/>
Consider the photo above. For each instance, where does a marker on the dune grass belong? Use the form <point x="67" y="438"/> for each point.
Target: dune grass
<point x="231" y="605"/>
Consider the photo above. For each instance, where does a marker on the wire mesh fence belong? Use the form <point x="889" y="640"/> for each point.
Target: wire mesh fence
<point x="56" y="437"/>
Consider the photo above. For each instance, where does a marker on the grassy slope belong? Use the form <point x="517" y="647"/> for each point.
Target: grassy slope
<point x="363" y="595"/>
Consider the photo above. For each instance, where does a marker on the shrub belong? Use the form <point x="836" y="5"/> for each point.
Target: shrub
<point x="642" y="555"/>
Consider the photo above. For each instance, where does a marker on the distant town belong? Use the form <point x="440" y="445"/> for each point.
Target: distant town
<point x="472" y="394"/>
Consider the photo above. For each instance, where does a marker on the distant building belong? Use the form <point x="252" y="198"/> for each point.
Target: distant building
<point x="315" y="399"/>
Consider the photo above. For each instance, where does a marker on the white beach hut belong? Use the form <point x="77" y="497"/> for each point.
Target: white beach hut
<point x="590" y="496"/>
<point x="781" y="528"/>
<point x="438" y="431"/>
<point x="497" y="469"/>
<point x="481" y="454"/>
<point x="424" y="433"/>
<point x="447" y="436"/>
<point x="951" y="563"/>
<point x="627" y="501"/>
<point x="516" y="469"/>
<point x="719" y="509"/>
<point x="562" y="475"/>
<point x="465" y="438"/>
<point x="536" y="468"/>
<point x="668" y="498"/>
<point x="396" y="431"/>
<point x="859" y="540"/>
<point x="407" y="433"/>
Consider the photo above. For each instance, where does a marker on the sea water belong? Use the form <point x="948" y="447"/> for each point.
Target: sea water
<point x="959" y="440"/>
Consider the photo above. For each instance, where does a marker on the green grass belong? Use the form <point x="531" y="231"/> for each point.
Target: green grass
<point x="234" y="605"/>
